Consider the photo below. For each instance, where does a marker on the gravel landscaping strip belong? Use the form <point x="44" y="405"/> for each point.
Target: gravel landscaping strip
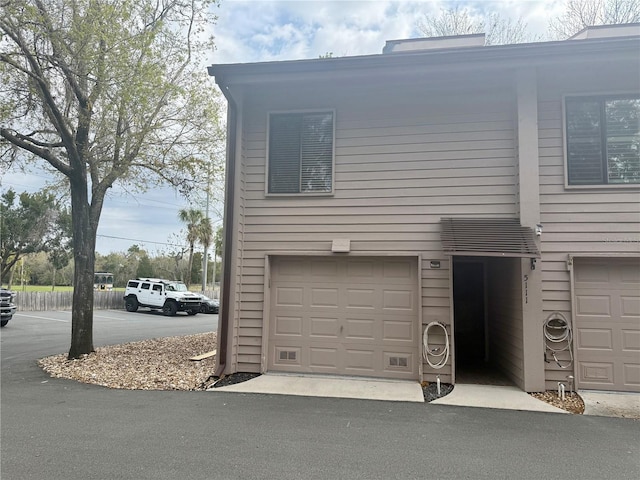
<point x="156" y="364"/>
<point x="572" y="403"/>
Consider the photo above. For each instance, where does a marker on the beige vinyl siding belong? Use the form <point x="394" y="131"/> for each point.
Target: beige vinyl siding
<point x="245" y="351"/>
<point x="404" y="158"/>
<point x="237" y="259"/>
<point x="505" y="317"/>
<point x="578" y="221"/>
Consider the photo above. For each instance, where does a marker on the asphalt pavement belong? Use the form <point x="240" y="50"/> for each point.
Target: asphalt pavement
<point x="58" y="429"/>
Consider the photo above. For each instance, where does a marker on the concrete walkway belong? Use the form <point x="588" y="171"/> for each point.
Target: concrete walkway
<point x="390" y="390"/>
<point x="608" y="404"/>
<point x="492" y="396"/>
<point x="611" y="404"/>
<point x="336" y="387"/>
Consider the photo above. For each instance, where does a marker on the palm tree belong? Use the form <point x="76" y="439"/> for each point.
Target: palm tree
<point x="192" y="218"/>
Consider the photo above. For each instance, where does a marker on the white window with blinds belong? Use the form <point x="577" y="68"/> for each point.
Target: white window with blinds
<point x="300" y="153"/>
<point x="603" y="140"/>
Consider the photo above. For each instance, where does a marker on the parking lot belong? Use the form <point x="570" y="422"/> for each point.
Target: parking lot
<point x="38" y="334"/>
<point x="59" y="429"/>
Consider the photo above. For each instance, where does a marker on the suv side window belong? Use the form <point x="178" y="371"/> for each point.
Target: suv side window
<point x="157" y="288"/>
<point x="132" y="284"/>
<point x="145" y="286"/>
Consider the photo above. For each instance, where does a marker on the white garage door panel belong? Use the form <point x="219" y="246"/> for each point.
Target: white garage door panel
<point x="346" y="316"/>
<point x="630" y="340"/>
<point x="607" y="300"/>
<point x="632" y="375"/>
<point x="595" y="339"/>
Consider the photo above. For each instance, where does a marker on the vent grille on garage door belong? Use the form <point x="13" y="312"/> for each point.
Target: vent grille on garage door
<point x="288" y="355"/>
<point x="490" y="237"/>
<point x="398" y="362"/>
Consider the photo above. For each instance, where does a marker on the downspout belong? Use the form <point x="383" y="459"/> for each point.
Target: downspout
<point x="230" y="173"/>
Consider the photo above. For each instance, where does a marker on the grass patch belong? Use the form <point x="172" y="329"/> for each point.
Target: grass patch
<point x="41" y="288"/>
<point x="47" y="288"/>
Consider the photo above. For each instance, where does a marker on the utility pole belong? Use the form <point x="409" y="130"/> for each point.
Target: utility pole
<point x="1" y="238"/>
<point x="215" y="258"/>
<point x="205" y="255"/>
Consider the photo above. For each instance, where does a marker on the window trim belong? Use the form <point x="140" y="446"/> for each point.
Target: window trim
<point x="331" y="193"/>
<point x="565" y="156"/>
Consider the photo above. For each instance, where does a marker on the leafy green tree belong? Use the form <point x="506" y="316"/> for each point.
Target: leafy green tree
<point x="118" y="264"/>
<point x="106" y="92"/>
<point x="59" y="247"/>
<point x="205" y="237"/>
<point x="169" y="262"/>
<point x="39" y="268"/>
<point x="218" y="240"/>
<point x="198" y="229"/>
<point x="145" y="269"/>
<point x="27" y="224"/>
<point x="58" y="258"/>
<point x="196" y="269"/>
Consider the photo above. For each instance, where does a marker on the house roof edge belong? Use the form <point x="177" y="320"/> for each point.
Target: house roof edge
<point x="539" y="51"/>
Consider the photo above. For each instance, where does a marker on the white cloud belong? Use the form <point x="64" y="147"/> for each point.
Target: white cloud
<point x="269" y="30"/>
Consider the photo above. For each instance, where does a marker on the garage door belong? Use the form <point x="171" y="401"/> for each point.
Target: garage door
<point x="345" y="316"/>
<point x="608" y="325"/>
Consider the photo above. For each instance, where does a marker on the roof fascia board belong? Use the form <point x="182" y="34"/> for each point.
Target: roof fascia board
<point x="419" y="70"/>
<point x="506" y="56"/>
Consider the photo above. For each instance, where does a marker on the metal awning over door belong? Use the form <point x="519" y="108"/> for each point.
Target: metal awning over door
<point x="488" y="237"/>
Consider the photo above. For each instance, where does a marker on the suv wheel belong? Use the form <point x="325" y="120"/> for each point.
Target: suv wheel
<point x="170" y="309"/>
<point x="193" y="311"/>
<point x="131" y="304"/>
<point x="3" y="323"/>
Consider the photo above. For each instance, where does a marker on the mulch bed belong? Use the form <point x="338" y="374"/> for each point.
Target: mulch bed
<point x="572" y="403"/>
<point x="233" y="379"/>
<point x="430" y="390"/>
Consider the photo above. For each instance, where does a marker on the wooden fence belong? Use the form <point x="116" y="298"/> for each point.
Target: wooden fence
<point x="41" y="301"/>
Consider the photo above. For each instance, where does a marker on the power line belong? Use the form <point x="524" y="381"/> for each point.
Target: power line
<point x="142" y="241"/>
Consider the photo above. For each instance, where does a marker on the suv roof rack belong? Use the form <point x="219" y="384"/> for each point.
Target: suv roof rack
<point x="157" y="280"/>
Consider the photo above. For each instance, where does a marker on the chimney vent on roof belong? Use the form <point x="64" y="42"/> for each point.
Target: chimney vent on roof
<point x="434" y="43"/>
<point x="607" y="31"/>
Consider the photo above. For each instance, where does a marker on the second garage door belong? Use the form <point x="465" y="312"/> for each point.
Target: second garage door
<point x="608" y="324"/>
<point x="345" y="316"/>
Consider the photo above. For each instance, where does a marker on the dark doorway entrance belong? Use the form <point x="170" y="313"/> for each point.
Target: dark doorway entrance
<point x="469" y="313"/>
<point x="472" y="323"/>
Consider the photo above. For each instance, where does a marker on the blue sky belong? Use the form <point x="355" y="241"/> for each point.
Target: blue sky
<point x="262" y="30"/>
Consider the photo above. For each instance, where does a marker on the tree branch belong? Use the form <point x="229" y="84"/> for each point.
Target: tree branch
<point x="50" y="107"/>
<point x="59" y="61"/>
<point x="39" y="143"/>
<point x="26" y="143"/>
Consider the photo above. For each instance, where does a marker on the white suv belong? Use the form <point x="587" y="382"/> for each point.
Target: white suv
<point x="155" y="293"/>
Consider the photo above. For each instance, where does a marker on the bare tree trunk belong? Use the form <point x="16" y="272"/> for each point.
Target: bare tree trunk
<point x="10" y="281"/>
<point x="84" y="235"/>
<point x="53" y="279"/>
